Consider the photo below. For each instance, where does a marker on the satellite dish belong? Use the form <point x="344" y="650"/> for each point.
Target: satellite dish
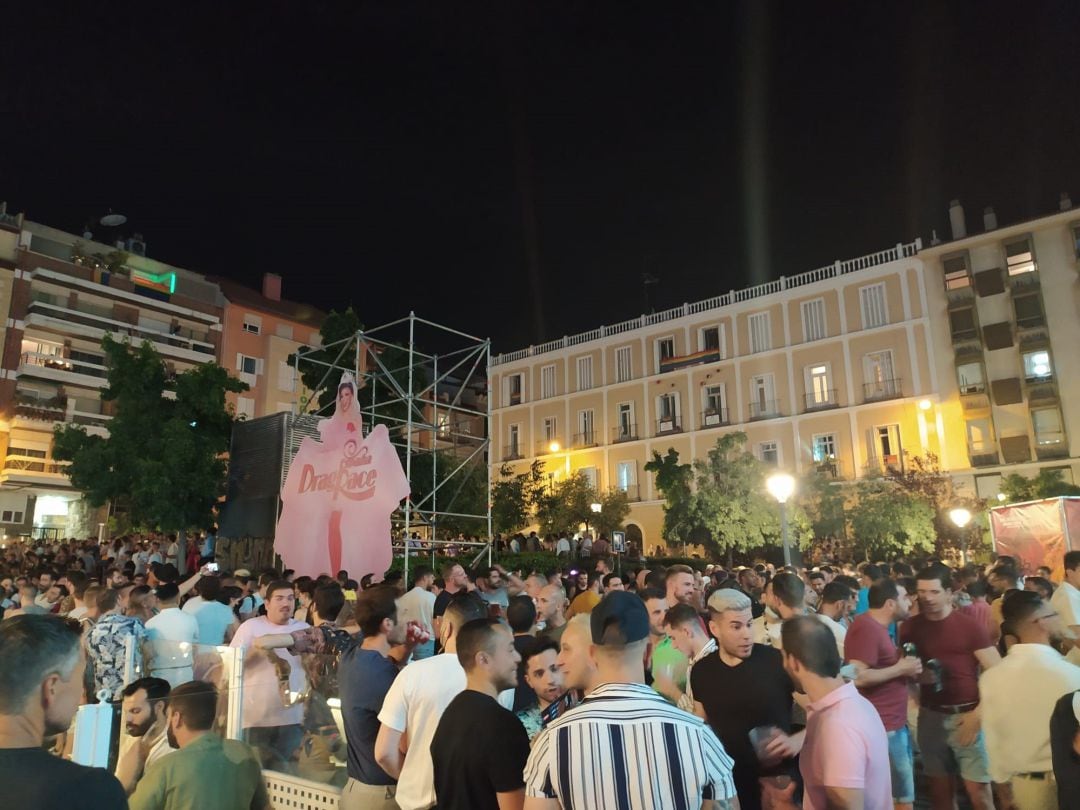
<point x="111" y="220"/>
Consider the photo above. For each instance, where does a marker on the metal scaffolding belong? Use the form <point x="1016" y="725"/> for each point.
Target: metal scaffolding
<point x="422" y="399"/>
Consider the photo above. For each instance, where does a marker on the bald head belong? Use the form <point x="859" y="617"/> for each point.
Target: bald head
<point x="551" y="603"/>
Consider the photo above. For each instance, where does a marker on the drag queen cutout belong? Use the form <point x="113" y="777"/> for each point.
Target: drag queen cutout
<point x="339" y="495"/>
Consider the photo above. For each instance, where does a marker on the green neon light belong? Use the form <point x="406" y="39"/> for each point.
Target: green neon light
<point x="164" y="281"/>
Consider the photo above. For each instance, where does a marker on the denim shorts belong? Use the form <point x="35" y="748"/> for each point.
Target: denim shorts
<point x="901" y="766"/>
<point x="942" y="756"/>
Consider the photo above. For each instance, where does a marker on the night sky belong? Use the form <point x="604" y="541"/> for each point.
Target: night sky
<point x="514" y="169"/>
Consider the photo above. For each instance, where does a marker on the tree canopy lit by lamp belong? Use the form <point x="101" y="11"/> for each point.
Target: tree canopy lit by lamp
<point x="782" y="486"/>
<point x="961" y="517"/>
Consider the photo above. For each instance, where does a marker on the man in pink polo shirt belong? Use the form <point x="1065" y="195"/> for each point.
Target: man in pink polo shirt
<point x="845" y="758"/>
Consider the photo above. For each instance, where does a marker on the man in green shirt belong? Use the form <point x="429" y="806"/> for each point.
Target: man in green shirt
<point x="207" y="773"/>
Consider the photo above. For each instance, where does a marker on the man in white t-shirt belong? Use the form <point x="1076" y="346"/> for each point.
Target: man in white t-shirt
<point x="274" y="680"/>
<point x="415" y="704"/>
<point x="833" y="607"/>
<point x="563" y="546"/>
<point x="1066" y="599"/>
<point x="141" y="558"/>
<point x="418" y="605"/>
<point x="214" y="618"/>
<point x="155" y="554"/>
<point x="172" y="634"/>
<point x="172" y="552"/>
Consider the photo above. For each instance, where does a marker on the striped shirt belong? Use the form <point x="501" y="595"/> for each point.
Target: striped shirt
<point x="626" y="748"/>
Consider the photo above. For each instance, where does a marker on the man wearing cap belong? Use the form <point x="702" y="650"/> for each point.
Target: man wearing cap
<point x="603" y="753"/>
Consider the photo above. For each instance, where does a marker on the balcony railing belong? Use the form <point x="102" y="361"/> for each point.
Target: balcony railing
<point x="983" y="454"/>
<point x="55" y="362"/>
<point x="20" y="463"/>
<point x="831" y="467"/>
<point x="624" y="433"/>
<point x="882" y="464"/>
<point x="668" y="425"/>
<point x="100" y="318"/>
<point x="716" y="417"/>
<point x="545" y="447"/>
<point x="43" y="411"/>
<point x="764" y="409"/>
<point x="820" y="400"/>
<point x="586" y="439"/>
<point x="1051" y="445"/>
<point x="512" y="453"/>
<point x="633" y="492"/>
<point x="882" y="389"/>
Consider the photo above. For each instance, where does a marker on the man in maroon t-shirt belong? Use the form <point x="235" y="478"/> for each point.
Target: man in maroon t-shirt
<point x="952" y="646"/>
<point x="883" y="677"/>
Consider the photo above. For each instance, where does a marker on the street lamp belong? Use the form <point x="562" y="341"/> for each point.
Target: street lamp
<point x="961" y="518"/>
<point x="554" y="447"/>
<point x="781" y="486"/>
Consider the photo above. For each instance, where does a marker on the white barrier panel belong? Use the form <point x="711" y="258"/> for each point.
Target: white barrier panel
<point x="293" y="793"/>
<point x="92" y="727"/>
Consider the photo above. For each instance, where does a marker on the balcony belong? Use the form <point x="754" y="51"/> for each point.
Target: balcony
<point x="668" y="425"/>
<point x="877" y="465"/>
<point x="547" y="447"/>
<point x="586" y="439"/>
<point x="633" y="492"/>
<point x="882" y="390"/>
<point x="96" y="321"/>
<point x="983" y="454"/>
<point x="764" y="409"/>
<point x="716" y="417"/>
<point x="821" y="400"/>
<point x="973" y="397"/>
<point x="61" y="369"/>
<point x="1051" y="445"/>
<point x="831" y="467"/>
<point x="1024" y="280"/>
<point x="53" y="409"/>
<point x="512" y="453"/>
<point x="624" y="433"/>
<point x="16" y="464"/>
<point x="1041" y="389"/>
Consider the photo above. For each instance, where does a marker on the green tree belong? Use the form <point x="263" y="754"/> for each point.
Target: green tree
<point x="565" y="504"/>
<point x="825" y="504"/>
<point x="615" y="507"/>
<point x="923" y="478"/>
<point x="317" y="368"/>
<point x="164" y="457"/>
<point x="674" y="481"/>
<point x="513" y="497"/>
<point x="461" y="492"/>
<point x="1047" y="483"/>
<point x="731" y="503"/>
<point x="891" y="521"/>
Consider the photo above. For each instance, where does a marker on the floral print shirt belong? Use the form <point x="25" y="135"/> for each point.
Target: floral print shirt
<point x="106" y="644"/>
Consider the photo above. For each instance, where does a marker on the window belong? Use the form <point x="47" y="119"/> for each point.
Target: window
<point x="769" y="453"/>
<point x="1076" y="239"/>
<point x="590" y="476"/>
<point x="624" y="367"/>
<point x="626" y="475"/>
<point x="818" y="392"/>
<point x="513" y="442"/>
<point x="760" y="333"/>
<point x="879" y="367"/>
<point x="249" y="365"/>
<point x="962" y="324"/>
<point x="824" y="447"/>
<point x="978" y="437"/>
<point x="667" y="410"/>
<point x="665" y="350"/>
<point x="1028" y="310"/>
<point x="550" y="428"/>
<point x="245" y="408"/>
<point x="1037" y="365"/>
<point x="515" y="383"/>
<point x="11" y="516"/>
<point x="625" y="428"/>
<point x="586" y="421"/>
<point x="709" y="339"/>
<point x="1020" y="257"/>
<point x="957" y="272"/>
<point x="1047" y="423"/>
<point x="252" y="324"/>
<point x="286" y="379"/>
<point x="547" y="382"/>
<point x="813" y="320"/>
<point x="970" y="378"/>
<point x="872" y="305"/>
<point x="886" y="444"/>
<point x="762" y="396"/>
<point x="584" y="373"/>
<point x="284" y="330"/>
<point x="713" y="405"/>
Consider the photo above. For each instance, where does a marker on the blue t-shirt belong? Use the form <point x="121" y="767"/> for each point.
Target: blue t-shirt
<point x="862" y="601"/>
<point x="364" y="678"/>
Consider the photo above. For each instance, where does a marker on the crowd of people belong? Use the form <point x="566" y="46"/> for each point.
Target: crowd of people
<point x="577" y="687"/>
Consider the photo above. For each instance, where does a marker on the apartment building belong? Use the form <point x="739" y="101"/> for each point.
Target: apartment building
<point x="1007" y="328"/>
<point x="63" y="299"/>
<point x="261" y="330"/>
<point x="833" y="369"/>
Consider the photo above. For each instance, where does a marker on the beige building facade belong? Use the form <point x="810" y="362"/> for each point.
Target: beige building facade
<point x="966" y="350"/>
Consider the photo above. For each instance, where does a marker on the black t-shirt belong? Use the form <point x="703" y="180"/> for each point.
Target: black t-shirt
<point x="737" y="699"/>
<point x="1063" y="729"/>
<point x="479" y="749"/>
<point x="441" y="601"/>
<point x="32" y="777"/>
<point x="524" y="696"/>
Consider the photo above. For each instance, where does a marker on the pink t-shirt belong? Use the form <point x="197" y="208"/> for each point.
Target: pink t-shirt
<point x="845" y="747"/>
